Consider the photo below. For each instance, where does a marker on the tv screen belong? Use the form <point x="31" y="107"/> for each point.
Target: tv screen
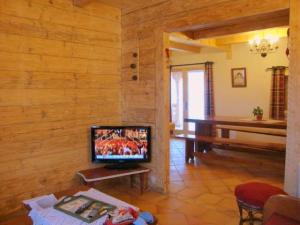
<point x="120" y="144"/>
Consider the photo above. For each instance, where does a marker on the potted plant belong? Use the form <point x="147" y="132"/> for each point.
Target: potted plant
<point x="258" y="113"/>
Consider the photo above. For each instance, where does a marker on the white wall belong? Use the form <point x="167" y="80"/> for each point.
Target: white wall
<point x="239" y="101"/>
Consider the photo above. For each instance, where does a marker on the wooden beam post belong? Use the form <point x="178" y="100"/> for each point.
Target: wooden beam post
<point x="178" y="46"/>
<point x="274" y="19"/>
<point x="292" y="165"/>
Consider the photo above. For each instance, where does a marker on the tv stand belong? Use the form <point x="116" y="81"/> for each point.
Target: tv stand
<point x="121" y="166"/>
<point x="92" y="176"/>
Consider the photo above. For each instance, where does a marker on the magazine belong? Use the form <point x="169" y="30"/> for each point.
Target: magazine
<point x="84" y="208"/>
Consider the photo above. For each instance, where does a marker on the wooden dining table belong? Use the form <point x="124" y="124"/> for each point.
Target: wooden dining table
<point x="205" y="131"/>
<point x="237" y="121"/>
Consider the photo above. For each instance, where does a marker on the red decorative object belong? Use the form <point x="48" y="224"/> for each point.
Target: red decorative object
<point x="256" y="193"/>
<point x="134" y="213"/>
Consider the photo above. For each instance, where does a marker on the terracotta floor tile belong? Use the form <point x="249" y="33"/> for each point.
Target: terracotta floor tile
<point x="152" y="197"/>
<point x="201" y="193"/>
<point x="190" y="209"/>
<point x="176" y="186"/>
<point x="171" y="203"/>
<point x="195" y="183"/>
<point x="209" y="199"/>
<point x="228" y="204"/>
<point x="171" y="219"/>
<point x="216" y="218"/>
<point x="232" y="181"/>
<point x="191" y="192"/>
<point x="196" y="221"/>
<point x="219" y="189"/>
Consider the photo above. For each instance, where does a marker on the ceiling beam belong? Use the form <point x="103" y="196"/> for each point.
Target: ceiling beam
<point x="222" y="10"/>
<point x="81" y="3"/>
<point x="178" y="46"/>
<point x="279" y="18"/>
<point x="182" y="38"/>
<point x="245" y="37"/>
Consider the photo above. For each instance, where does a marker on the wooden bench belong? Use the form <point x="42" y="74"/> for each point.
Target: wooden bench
<point x="267" y="146"/>
<point x="266" y="131"/>
<point x="227" y="144"/>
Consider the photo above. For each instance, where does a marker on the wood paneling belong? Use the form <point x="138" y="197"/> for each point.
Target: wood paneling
<point x="131" y="5"/>
<point x="51" y="72"/>
<point x="59" y="74"/>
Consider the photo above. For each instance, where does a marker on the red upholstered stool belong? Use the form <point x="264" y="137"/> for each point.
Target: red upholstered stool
<point x="251" y="197"/>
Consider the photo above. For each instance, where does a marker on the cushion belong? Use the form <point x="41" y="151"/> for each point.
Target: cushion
<point x="277" y="219"/>
<point x="256" y="193"/>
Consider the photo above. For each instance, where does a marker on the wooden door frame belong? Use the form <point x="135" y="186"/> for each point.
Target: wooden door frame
<point x="162" y="74"/>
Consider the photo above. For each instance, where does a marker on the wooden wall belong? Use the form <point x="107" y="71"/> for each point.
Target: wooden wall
<point x="59" y="74"/>
<point x="146" y="100"/>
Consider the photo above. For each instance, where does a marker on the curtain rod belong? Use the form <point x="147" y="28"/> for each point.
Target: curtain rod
<point x="277" y="67"/>
<point x="190" y="64"/>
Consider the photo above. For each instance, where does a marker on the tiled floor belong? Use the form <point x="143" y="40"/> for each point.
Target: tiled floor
<point x="201" y="193"/>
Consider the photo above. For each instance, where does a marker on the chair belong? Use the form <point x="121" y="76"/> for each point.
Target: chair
<point x="282" y="210"/>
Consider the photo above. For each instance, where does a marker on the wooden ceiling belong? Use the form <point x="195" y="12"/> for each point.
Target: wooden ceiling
<point x="131" y="5"/>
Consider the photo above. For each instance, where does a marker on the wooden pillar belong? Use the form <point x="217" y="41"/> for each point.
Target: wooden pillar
<point x="162" y="136"/>
<point x="293" y="130"/>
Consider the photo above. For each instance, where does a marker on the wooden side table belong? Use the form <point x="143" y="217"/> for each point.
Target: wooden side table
<point x="91" y="176"/>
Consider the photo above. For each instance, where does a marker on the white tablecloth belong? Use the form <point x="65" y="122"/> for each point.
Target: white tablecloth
<point x="51" y="216"/>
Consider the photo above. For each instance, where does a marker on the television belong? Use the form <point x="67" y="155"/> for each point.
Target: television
<point x="121" y="145"/>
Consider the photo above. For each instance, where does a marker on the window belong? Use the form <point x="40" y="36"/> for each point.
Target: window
<point x="187" y="98"/>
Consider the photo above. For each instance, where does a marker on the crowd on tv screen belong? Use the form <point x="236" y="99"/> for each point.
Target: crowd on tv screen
<point x="121" y="142"/>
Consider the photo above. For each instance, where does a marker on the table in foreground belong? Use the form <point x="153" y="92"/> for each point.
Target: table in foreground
<point x="91" y="176"/>
<point x="26" y="220"/>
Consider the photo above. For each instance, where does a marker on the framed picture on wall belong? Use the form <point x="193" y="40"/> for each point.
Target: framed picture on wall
<point x="239" y="77"/>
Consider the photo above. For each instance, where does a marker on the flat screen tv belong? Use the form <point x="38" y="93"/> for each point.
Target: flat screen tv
<point x="121" y="144"/>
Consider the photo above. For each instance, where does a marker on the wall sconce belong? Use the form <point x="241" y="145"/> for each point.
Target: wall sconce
<point x="264" y="46"/>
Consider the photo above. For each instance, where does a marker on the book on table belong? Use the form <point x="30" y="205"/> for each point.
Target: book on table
<point x="84" y="208"/>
